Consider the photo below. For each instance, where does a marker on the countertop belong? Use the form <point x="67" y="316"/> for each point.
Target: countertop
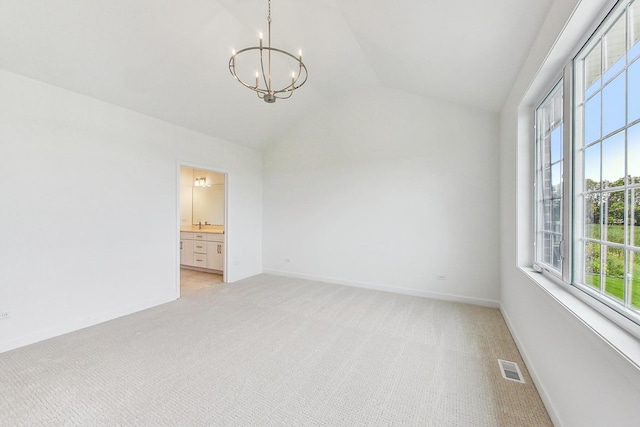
<point x="213" y="229"/>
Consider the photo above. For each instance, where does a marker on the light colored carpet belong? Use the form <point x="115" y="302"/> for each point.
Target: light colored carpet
<point x="275" y="351"/>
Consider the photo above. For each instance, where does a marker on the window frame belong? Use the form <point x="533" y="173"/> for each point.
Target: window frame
<point x="560" y="86"/>
<point x="620" y="315"/>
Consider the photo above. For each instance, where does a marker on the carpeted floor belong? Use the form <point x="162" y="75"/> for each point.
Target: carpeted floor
<point x="275" y="351"/>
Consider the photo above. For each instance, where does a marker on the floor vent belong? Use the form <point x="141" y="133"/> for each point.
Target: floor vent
<point x="510" y="371"/>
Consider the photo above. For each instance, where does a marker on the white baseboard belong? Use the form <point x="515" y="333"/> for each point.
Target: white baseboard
<point x="386" y="288"/>
<point x="76" y="325"/>
<point x="551" y="410"/>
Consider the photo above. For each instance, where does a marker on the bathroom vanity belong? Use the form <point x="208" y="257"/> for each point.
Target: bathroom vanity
<point x="202" y="247"/>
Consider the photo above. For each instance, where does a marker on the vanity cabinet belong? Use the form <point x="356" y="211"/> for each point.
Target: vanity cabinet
<point x="202" y="250"/>
<point x="186" y="248"/>
<point x="215" y="251"/>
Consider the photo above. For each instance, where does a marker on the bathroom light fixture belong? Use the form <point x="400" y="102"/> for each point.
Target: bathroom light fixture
<point x="264" y="86"/>
<point x="201" y="182"/>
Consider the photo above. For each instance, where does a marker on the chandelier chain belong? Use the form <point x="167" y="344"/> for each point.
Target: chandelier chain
<point x="269" y="15"/>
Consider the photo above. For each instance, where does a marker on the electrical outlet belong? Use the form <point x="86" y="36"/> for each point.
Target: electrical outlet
<point x="441" y="277"/>
<point x="5" y="315"/>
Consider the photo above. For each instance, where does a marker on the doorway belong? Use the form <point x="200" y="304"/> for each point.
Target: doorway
<point x="202" y="228"/>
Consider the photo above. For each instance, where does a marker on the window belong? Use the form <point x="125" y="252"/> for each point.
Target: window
<point x="549" y="168"/>
<point x="601" y="165"/>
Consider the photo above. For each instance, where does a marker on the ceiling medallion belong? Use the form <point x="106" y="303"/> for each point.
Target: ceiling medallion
<point x="263" y="85"/>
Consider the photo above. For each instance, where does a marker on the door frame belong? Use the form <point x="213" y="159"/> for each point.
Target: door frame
<point x="209" y="168"/>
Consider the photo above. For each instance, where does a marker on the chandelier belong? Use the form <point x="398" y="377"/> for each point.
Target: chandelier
<point x="264" y="86"/>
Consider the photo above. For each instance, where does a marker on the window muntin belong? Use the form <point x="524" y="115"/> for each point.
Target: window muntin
<point x="549" y="180"/>
<point x="606" y="244"/>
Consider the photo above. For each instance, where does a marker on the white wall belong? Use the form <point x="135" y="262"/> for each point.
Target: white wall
<point x="582" y="379"/>
<point x="89" y="212"/>
<point x="387" y="190"/>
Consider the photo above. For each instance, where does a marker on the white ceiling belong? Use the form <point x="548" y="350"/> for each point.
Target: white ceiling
<point x="169" y="59"/>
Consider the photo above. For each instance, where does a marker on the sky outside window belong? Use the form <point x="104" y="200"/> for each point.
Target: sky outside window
<point x="634" y="88"/>
<point x="613" y="105"/>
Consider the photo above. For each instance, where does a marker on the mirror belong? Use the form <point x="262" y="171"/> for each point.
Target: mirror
<point x="201" y="197"/>
<point x="208" y="204"/>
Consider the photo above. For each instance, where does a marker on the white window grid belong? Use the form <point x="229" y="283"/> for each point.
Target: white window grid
<point x="549" y="181"/>
<point x="594" y="249"/>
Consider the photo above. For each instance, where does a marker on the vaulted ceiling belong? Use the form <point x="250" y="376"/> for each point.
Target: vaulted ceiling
<point x="169" y="59"/>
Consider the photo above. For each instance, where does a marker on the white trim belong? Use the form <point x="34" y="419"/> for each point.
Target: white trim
<point x="542" y="391"/>
<point x="386" y="288"/>
<point x="92" y="320"/>
<point x="178" y="224"/>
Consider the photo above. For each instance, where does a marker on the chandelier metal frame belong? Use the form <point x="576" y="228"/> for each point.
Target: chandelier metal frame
<point x="267" y="92"/>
